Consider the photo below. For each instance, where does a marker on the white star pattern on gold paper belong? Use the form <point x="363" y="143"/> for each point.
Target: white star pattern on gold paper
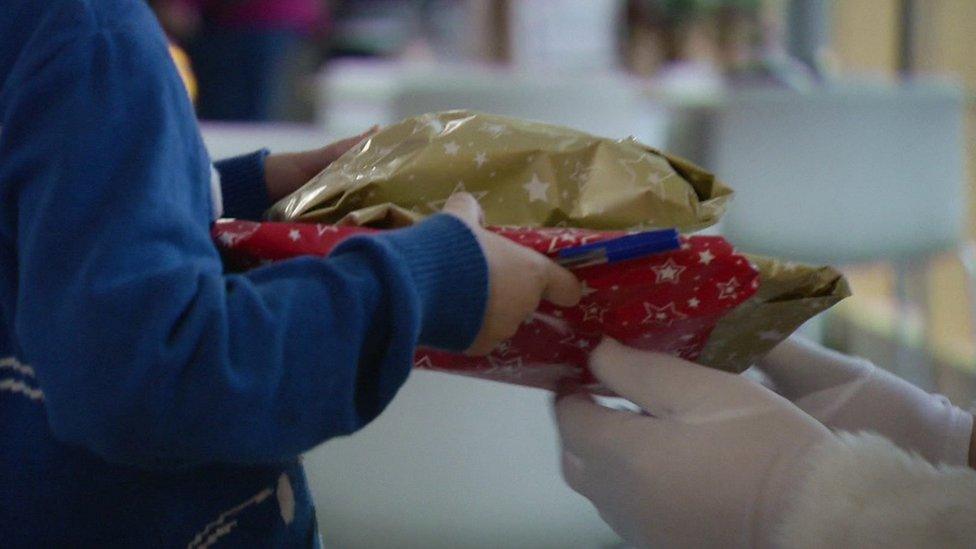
<point x="592" y="311"/>
<point x="662" y="316"/>
<point x="728" y="290"/>
<point x="706" y="257"/>
<point x="494" y="130"/>
<point x="451" y="148"/>
<point x="480" y="158"/>
<point x="294" y="235"/>
<point x="669" y="271"/>
<point x="536" y="188"/>
<point x="437" y="205"/>
<point x="654" y="178"/>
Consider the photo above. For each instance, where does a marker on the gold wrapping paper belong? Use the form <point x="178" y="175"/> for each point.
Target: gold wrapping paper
<point x="531" y="174"/>
<point x="523" y="173"/>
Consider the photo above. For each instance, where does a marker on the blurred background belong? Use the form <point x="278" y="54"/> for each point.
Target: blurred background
<point x="845" y="126"/>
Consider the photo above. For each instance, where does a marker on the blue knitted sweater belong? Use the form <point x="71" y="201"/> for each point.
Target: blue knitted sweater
<point x="148" y="399"/>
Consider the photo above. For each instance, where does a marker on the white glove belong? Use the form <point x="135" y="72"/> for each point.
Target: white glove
<point x="851" y="394"/>
<point x="713" y="465"/>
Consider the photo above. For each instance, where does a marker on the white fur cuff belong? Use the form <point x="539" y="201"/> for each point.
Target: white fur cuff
<point x="866" y="492"/>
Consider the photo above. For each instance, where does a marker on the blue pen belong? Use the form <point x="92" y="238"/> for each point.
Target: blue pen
<point x="631" y="246"/>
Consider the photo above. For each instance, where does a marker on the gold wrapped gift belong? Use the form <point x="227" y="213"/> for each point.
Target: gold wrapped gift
<point x="537" y="175"/>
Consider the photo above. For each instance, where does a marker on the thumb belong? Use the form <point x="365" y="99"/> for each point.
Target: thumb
<point x="330" y="153"/>
<point x="563" y="288"/>
<point x="466" y="208"/>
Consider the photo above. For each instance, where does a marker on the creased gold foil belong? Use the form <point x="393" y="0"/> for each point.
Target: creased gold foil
<point x="531" y="174"/>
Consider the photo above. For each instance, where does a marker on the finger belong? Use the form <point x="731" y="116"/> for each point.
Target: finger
<point x="798" y="367"/>
<point x="661" y="384"/>
<point x="464" y="206"/>
<point x="574" y="472"/>
<point x="566" y="387"/>
<point x="334" y="150"/>
<point x="562" y="287"/>
<point x="588" y="429"/>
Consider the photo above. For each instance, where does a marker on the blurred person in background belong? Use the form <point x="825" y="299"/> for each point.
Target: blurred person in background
<point x="241" y="50"/>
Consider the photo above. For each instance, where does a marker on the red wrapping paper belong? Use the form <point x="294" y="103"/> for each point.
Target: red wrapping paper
<point x="667" y="302"/>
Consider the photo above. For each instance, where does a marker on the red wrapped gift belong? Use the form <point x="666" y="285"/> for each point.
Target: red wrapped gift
<point x="667" y="302"/>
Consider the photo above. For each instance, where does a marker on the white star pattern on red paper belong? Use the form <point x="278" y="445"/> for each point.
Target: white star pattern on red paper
<point x="728" y="290"/>
<point x="587" y="289"/>
<point x="228" y="238"/>
<point x="536" y="188"/>
<point x="508" y="367"/>
<point x="423" y="362"/>
<point x="322" y="229"/>
<point x="706" y="257"/>
<point x="694" y="302"/>
<point x="592" y="311"/>
<point x="294" y="235"/>
<point x="573" y="341"/>
<point x="669" y="271"/>
<point x="662" y="316"/>
<point x="504" y="348"/>
<point x="564" y="236"/>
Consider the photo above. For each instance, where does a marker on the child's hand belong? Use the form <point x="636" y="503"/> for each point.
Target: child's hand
<point x="284" y="173"/>
<point x="518" y="278"/>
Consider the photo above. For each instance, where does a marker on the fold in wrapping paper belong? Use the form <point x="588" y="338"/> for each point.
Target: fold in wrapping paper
<point x="536" y="175"/>
<point x="523" y="173"/>
<point x="668" y="302"/>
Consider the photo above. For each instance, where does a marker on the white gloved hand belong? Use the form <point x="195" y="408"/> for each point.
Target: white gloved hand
<point x="713" y="465"/>
<point x="851" y="394"/>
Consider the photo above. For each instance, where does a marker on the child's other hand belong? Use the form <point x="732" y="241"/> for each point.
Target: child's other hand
<point x="284" y="173"/>
<point x="518" y="279"/>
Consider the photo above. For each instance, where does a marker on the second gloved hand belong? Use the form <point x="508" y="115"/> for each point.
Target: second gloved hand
<point x="714" y="464"/>
<point x="851" y="394"/>
<point x="518" y="279"/>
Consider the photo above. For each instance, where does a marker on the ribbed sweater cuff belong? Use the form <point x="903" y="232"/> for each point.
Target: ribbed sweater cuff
<point x="450" y="274"/>
<point x="243" y="187"/>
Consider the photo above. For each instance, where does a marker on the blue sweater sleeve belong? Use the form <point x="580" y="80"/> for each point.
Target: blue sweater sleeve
<point x="242" y="185"/>
<point x="146" y="352"/>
